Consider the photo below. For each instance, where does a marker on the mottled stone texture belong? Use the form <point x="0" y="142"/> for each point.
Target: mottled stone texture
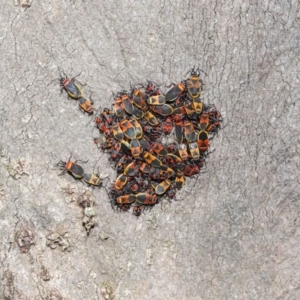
<point x="233" y="232"/>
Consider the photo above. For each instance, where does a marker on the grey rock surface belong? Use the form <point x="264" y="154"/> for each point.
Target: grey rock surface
<point x="233" y="232"/>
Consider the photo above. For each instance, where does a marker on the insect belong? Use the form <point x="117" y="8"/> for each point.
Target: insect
<point x="132" y="169"/>
<point x="108" y="115"/>
<point x="137" y="210"/>
<point x="175" y="92"/>
<point x="189" y="131"/>
<point x="119" y="107"/>
<point x="145" y="144"/>
<point x="122" y="164"/>
<point x="152" y="160"/>
<point x="137" y="112"/>
<point x="156" y="100"/>
<point x="107" y="144"/>
<point x="139" y="99"/>
<point x="183" y="151"/>
<point x="120" y="182"/>
<point x="128" y="129"/>
<point x="125" y="146"/>
<point x="102" y="126"/>
<point x="158" y="149"/>
<point x="198" y="106"/>
<point x="190" y="111"/>
<point x="194" y="150"/>
<point x="167" y="126"/>
<point x="86" y="105"/>
<point x="178" y="128"/>
<point x="151" y="119"/>
<point x="168" y="170"/>
<point x="171" y="193"/>
<point x="115" y="154"/>
<point x="203" y="142"/>
<point x="127" y="103"/>
<point x="153" y="132"/>
<point x="117" y="132"/>
<point x="180" y="110"/>
<point x="158" y="174"/>
<point x="179" y="180"/>
<point x="92" y="179"/>
<point x="71" y="167"/>
<point x="174" y="157"/>
<point x="135" y="148"/>
<point x="146" y="199"/>
<point x="126" y="199"/>
<point x="73" y="90"/>
<point x="215" y="119"/>
<point x="162" y="187"/>
<point x="134" y="187"/>
<point x="188" y="170"/>
<point x="138" y="128"/>
<point x="194" y="86"/>
<point x="145" y="168"/>
<point x="204" y="121"/>
<point x="152" y="88"/>
<point x="163" y="110"/>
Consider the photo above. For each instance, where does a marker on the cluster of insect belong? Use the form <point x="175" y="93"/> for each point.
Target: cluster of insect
<point x="154" y="139"/>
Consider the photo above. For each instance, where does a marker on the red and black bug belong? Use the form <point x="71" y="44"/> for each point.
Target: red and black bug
<point x="117" y="132"/>
<point x="188" y="170"/>
<point x="152" y="89"/>
<point x="135" y="148"/>
<point x="182" y="150"/>
<point x="125" y="146"/>
<point x="156" y="100"/>
<point x="203" y="142"/>
<point x="73" y="90"/>
<point x="198" y="105"/>
<point x="86" y="105"/>
<point x="175" y="92"/>
<point x="138" y="128"/>
<point x="132" y="169"/>
<point x="204" y="121"/>
<point x="120" y="182"/>
<point x="163" y="110"/>
<point x="152" y="160"/>
<point x="179" y="180"/>
<point x="139" y="99"/>
<point x="108" y="115"/>
<point x="158" y="149"/>
<point x="162" y="187"/>
<point x="178" y="128"/>
<point x="151" y="119"/>
<point x="71" y="167"/>
<point x="167" y="126"/>
<point x="126" y="199"/>
<point x="127" y="102"/>
<point x="137" y="210"/>
<point x="128" y="129"/>
<point x="189" y="131"/>
<point x="92" y="179"/>
<point x="194" y="83"/>
<point x="146" y="199"/>
<point x="119" y="107"/>
<point x="158" y="174"/>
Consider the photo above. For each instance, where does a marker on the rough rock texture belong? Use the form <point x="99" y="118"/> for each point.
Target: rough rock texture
<point x="234" y="231"/>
